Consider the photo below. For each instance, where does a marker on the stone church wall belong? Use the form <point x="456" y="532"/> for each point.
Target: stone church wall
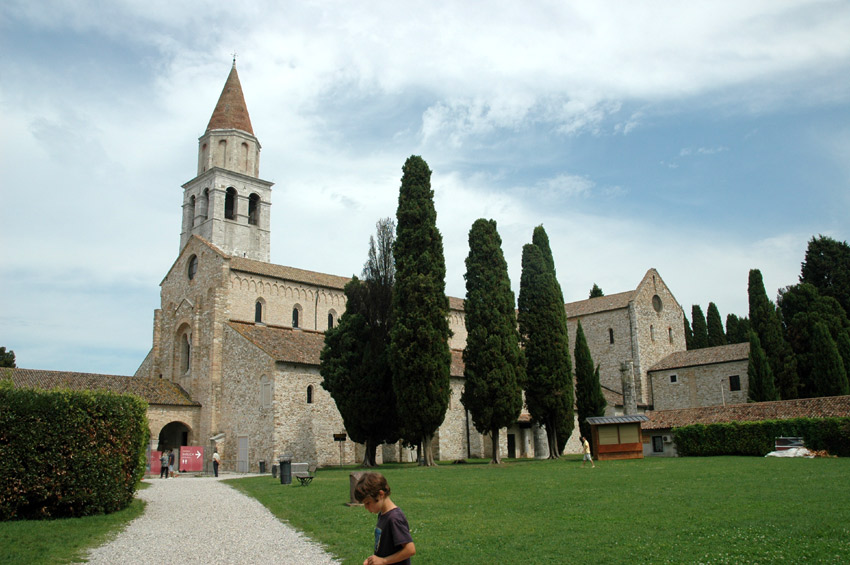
<point x="305" y="430"/>
<point x="702" y="385"/>
<point x="280" y="297"/>
<point x="607" y="355"/>
<point x="245" y="369"/>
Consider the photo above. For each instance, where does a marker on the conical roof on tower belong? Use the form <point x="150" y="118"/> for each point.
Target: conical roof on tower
<point x="231" y="111"/>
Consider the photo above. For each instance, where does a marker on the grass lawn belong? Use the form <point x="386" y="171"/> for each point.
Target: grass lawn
<point x="683" y="510"/>
<point x="27" y="542"/>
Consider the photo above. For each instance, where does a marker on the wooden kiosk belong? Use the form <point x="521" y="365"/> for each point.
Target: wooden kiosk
<point x="617" y="437"/>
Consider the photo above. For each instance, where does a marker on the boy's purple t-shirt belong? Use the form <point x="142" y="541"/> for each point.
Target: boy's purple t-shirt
<point x="391" y="533"/>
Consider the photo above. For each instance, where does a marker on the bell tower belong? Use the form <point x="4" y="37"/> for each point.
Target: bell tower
<point x="227" y="203"/>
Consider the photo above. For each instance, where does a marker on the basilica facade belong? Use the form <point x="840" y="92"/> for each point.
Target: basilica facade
<point x="242" y="336"/>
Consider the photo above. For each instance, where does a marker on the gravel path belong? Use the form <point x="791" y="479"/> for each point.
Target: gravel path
<point x="201" y="520"/>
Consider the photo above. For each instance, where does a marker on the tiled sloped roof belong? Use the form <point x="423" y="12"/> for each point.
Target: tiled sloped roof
<point x="599" y="304"/>
<point x="629" y="419"/>
<point x="704" y="356"/>
<point x="154" y="390"/>
<point x="824" y="407"/>
<point x="230" y="111"/>
<point x="287" y="273"/>
<point x="284" y="344"/>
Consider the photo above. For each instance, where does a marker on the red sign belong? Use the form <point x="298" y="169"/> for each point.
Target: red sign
<point x="153" y="463"/>
<point x="191" y="458"/>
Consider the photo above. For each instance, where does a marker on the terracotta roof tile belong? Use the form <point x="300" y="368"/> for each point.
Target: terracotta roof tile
<point x="824" y="407"/>
<point x="284" y="344"/>
<point x="154" y="390"/>
<point x="231" y="111"/>
<point x="704" y="356"/>
<point x="599" y="304"/>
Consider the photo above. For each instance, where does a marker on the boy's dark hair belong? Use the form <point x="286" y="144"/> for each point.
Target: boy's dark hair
<point x="369" y="485"/>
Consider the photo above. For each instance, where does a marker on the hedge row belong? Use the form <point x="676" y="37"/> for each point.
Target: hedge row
<point x="69" y="453"/>
<point x="758" y="438"/>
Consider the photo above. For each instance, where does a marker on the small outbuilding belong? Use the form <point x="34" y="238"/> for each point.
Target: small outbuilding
<point x="617" y="437"/>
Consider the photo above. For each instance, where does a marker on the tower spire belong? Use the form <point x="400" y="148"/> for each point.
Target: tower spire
<point x="231" y="111"/>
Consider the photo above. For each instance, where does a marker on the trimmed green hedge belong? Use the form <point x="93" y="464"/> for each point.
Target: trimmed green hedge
<point x="758" y="438"/>
<point x="68" y="453"/>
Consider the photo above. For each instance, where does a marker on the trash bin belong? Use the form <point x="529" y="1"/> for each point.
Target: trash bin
<point x="285" y="470"/>
<point x="262" y="467"/>
<point x="274" y="471"/>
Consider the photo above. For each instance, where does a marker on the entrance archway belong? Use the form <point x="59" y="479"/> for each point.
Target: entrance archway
<point x="173" y="436"/>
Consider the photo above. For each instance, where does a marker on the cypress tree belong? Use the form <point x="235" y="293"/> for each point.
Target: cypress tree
<point x="419" y="348"/>
<point x="716" y="335"/>
<point x="761" y="384"/>
<point x="767" y="326"/>
<point x="689" y="334"/>
<point x="543" y="330"/>
<point x="595" y="292"/>
<point x="589" y="399"/>
<point x="829" y="375"/>
<point x="737" y="329"/>
<point x="843" y="344"/>
<point x="493" y="361"/>
<point x="700" y="329"/>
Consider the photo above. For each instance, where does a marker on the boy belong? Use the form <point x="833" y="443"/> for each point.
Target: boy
<point x="586" y="448"/>
<point x="393" y="543"/>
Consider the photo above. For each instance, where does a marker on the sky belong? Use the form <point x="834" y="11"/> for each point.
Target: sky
<point x="702" y="139"/>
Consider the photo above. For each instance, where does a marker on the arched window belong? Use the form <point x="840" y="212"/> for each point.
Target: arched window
<point x="295" y="313"/>
<point x="192" y="267"/>
<point x="185" y="353"/>
<point x="652" y="332"/>
<point x="205" y="204"/>
<point x="310" y="394"/>
<point x="254" y="210"/>
<point x="258" y="311"/>
<point x="330" y="320"/>
<point x="192" y="211"/>
<point x="670" y="334"/>
<point x="222" y="150"/>
<point x="611" y="335"/>
<point x="245" y="158"/>
<point x="230" y="204"/>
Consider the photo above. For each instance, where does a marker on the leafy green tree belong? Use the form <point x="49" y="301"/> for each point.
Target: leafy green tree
<point x="543" y="330"/>
<point x="737" y="329"/>
<point x="765" y="322"/>
<point x="700" y="338"/>
<point x="595" y="292"/>
<point x="716" y="335"/>
<point x="419" y="346"/>
<point x="829" y="374"/>
<point x="802" y="308"/>
<point x="827" y="267"/>
<point x="494" y="365"/>
<point x="355" y="364"/>
<point x="7" y="358"/>
<point x="843" y="344"/>
<point x="590" y="401"/>
<point x="689" y="334"/>
<point x="762" y="387"/>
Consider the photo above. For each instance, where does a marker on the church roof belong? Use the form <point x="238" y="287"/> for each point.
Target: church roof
<point x="824" y="407"/>
<point x="704" y="356"/>
<point x="153" y="390"/>
<point x="289" y="345"/>
<point x="231" y="111"/>
<point x="599" y="304"/>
